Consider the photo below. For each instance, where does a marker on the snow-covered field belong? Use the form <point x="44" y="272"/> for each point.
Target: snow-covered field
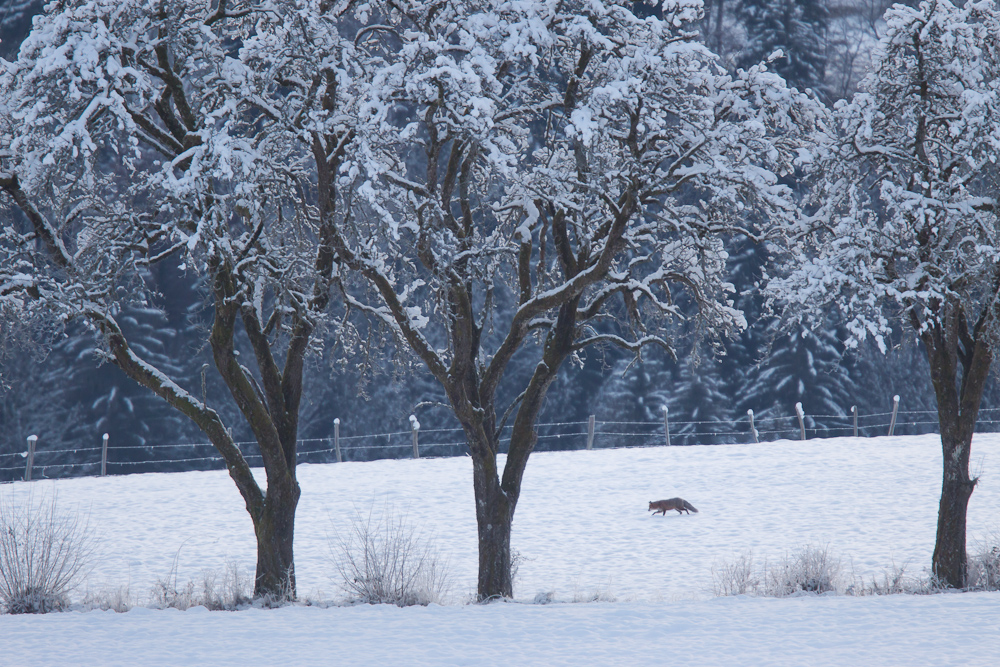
<point x="582" y="530"/>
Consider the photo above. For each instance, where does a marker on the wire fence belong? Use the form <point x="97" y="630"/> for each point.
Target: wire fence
<point x="37" y="462"/>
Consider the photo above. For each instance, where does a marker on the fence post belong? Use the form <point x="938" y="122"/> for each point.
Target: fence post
<point x="32" y="439"/>
<point x="104" y="455"/>
<point x="895" y="407"/>
<point x="854" y="411"/>
<point x="415" y="427"/>
<point x="752" y="429"/>
<point x="666" y="423"/>
<point x="802" y="423"/>
<point x="336" y="439"/>
<point x="590" y="432"/>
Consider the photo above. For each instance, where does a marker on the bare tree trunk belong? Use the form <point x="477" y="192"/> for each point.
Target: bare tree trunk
<point x="275" y="529"/>
<point x="496" y="498"/>
<point x="494" y="517"/>
<point x="720" y="9"/>
<point x="950" y="559"/>
<point x="960" y="362"/>
<point x="271" y="410"/>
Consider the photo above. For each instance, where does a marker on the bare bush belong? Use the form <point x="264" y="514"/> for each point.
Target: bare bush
<point x="544" y="597"/>
<point x="736" y="578"/>
<point x="984" y="566"/>
<point x="166" y="595"/>
<point x="811" y="570"/>
<point x="893" y="582"/>
<point x="44" y="556"/>
<point x="233" y="590"/>
<point x="382" y="560"/>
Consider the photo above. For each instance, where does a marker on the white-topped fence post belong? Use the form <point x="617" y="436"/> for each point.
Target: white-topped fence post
<point x="415" y="427"/>
<point x="802" y="423"/>
<point x="895" y="408"/>
<point x="32" y="440"/>
<point x="336" y="439"/>
<point x="104" y="454"/>
<point x="854" y="411"/>
<point x="752" y="429"/>
<point x="590" y="431"/>
<point x="666" y="424"/>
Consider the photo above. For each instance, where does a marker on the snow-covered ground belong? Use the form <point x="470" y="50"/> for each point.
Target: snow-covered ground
<point x="908" y="631"/>
<point x="582" y="530"/>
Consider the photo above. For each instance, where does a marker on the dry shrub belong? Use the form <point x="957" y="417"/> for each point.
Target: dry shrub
<point x="44" y="556"/>
<point x="382" y="560"/>
<point x="893" y="581"/>
<point x="984" y="566"/>
<point x="117" y="599"/>
<point x="810" y="570"/>
<point x="736" y="578"/>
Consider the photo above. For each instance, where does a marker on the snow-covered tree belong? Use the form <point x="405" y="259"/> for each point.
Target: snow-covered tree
<point x="902" y="371"/>
<point x="30" y="402"/>
<point x="15" y="22"/>
<point x="635" y="391"/>
<point x="698" y="400"/>
<point x="717" y="26"/>
<point x="569" y="158"/>
<point x="805" y="366"/>
<point x="135" y="132"/>
<point x="747" y="262"/>
<point x="907" y="227"/>
<point x="852" y="33"/>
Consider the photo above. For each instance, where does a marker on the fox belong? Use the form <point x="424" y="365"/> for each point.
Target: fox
<point x="678" y="504"/>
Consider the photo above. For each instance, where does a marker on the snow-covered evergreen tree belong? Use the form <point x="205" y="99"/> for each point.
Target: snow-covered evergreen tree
<point x="747" y="261"/>
<point x="805" y="366"/>
<point x="30" y="403"/>
<point x="795" y="27"/>
<point x="699" y="404"/>
<point x="635" y="392"/>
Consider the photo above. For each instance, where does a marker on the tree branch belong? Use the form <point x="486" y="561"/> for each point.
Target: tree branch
<point x="205" y="418"/>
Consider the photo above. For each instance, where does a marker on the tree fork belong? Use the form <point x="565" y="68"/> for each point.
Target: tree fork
<point x="496" y="498"/>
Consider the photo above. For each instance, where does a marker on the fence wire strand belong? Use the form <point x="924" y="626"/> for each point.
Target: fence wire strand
<point x="625" y="435"/>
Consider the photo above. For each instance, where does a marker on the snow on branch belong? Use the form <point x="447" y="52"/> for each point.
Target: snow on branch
<point x="903" y="213"/>
<point x="542" y="149"/>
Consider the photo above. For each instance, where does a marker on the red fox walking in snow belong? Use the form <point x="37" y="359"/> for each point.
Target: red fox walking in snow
<point x="678" y="504"/>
